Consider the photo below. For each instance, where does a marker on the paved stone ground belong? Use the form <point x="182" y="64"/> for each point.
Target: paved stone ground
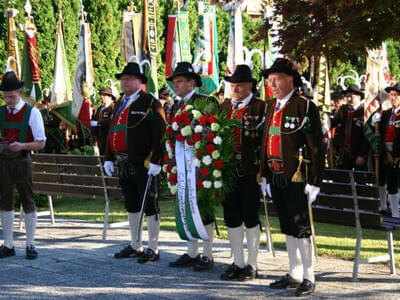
<point x="74" y="263"/>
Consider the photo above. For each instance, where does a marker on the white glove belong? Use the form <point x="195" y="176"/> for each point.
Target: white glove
<point x="93" y="123"/>
<point x="265" y="187"/>
<point x="376" y="118"/>
<point x="312" y="191"/>
<point x="154" y="169"/>
<point x="109" y="167"/>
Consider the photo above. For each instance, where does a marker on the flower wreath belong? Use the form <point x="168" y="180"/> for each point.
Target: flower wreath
<point x="210" y="133"/>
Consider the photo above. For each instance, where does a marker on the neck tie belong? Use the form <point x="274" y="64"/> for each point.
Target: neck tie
<point x="237" y="104"/>
<point x="278" y="106"/>
<point x="123" y="105"/>
<point x="12" y="110"/>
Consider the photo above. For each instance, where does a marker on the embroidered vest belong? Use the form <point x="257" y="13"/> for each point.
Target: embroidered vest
<point x="273" y="149"/>
<point x="16" y="127"/>
<point x="237" y="114"/>
<point x="118" y="134"/>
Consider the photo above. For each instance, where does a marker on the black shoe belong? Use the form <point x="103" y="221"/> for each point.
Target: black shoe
<point x="148" y="255"/>
<point x="305" y="288"/>
<point x="6" y="252"/>
<point x="203" y="264"/>
<point x="285" y="282"/>
<point x="127" y="252"/>
<point x="185" y="261"/>
<point x="232" y="273"/>
<point x="31" y="252"/>
<point x="247" y="273"/>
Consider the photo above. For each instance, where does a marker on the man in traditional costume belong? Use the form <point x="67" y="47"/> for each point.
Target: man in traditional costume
<point x="134" y="138"/>
<point x="22" y="128"/>
<point x="102" y="119"/>
<point x="242" y="204"/>
<point x="292" y="123"/>
<point x="389" y="127"/>
<point x="349" y="140"/>
<point x="185" y="80"/>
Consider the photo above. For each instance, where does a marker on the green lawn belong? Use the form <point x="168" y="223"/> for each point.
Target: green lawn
<point x="332" y="240"/>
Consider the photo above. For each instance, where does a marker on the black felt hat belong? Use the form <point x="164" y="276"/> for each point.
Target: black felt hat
<point x="10" y="82"/>
<point x="396" y="88"/>
<point x="337" y="93"/>
<point x="283" y="65"/>
<point x="354" y="89"/>
<point x="242" y="74"/>
<point x="185" y="69"/>
<point x="132" y="68"/>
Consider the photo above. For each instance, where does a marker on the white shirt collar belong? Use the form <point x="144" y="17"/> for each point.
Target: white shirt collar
<point x="396" y="110"/>
<point x="18" y="106"/>
<point x="243" y="102"/>
<point x="285" y="99"/>
<point x="189" y="95"/>
<point x="132" y="98"/>
<point x="356" y="107"/>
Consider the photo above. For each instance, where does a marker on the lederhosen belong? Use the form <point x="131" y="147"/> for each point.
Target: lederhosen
<point x="242" y="203"/>
<point x="390" y="132"/>
<point x="16" y="167"/>
<point x="134" y="136"/>
<point x="285" y="132"/>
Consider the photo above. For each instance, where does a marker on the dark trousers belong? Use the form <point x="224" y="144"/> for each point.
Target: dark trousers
<point x="292" y="207"/>
<point x="392" y="179"/>
<point x="16" y="173"/>
<point x="133" y="183"/>
<point x="242" y="204"/>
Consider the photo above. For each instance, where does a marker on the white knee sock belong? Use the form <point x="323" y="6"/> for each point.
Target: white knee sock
<point x="30" y="227"/>
<point x="394" y="204"/>
<point x="253" y="243"/>
<point x="153" y="229"/>
<point x="193" y="248"/>
<point x="295" y="269"/>
<point x="236" y="236"/>
<point x="7" y="223"/>
<point x="382" y="197"/>
<point x="136" y="243"/>
<point x="307" y="255"/>
<point x="207" y="245"/>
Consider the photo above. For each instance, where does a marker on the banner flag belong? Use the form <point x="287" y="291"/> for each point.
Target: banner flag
<point x="131" y="34"/>
<point x="32" y="90"/>
<point x="12" y="42"/>
<point x="61" y="91"/>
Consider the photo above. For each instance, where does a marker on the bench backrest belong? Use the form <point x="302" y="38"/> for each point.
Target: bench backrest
<point x="72" y="175"/>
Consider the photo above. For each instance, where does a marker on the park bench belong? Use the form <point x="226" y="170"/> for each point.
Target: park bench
<point x="74" y="176"/>
<point x="351" y="198"/>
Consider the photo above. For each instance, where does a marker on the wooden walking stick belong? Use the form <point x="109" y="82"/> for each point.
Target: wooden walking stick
<point x="268" y="227"/>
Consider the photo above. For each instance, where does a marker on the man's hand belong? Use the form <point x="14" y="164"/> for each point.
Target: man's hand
<point x="360" y="161"/>
<point x="312" y="191"/>
<point x="16" y="146"/>
<point x="154" y="169"/>
<point x="265" y="187"/>
<point x="109" y="167"/>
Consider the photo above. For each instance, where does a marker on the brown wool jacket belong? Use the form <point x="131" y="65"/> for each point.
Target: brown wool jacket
<point x="143" y="135"/>
<point x="251" y="142"/>
<point x="294" y="138"/>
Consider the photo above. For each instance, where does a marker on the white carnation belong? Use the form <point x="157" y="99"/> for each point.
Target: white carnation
<point x="164" y="168"/>
<point x="207" y="184"/>
<point x="197" y="163"/>
<point x="187" y="130"/>
<point x="215" y="154"/>
<point x="207" y="160"/>
<point x="198" y="129"/>
<point x="217" y="140"/>
<point x="218" y="184"/>
<point x="167" y="147"/>
<point x="217" y="173"/>
<point x="196" y="114"/>
<point x="173" y="170"/>
<point x="173" y="189"/>
<point x="175" y="126"/>
<point x="197" y="145"/>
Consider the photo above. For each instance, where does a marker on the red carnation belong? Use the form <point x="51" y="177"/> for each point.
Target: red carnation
<point x="166" y="158"/>
<point x="199" y="184"/>
<point x="179" y="137"/>
<point x="210" y="148"/>
<point x="169" y="130"/>
<point x="171" y="144"/>
<point x="196" y="137"/>
<point x="203" y="120"/>
<point x="199" y="154"/>
<point x="212" y="119"/>
<point x="189" y="142"/>
<point x="173" y="178"/>
<point x="168" y="169"/>
<point x="210" y="137"/>
<point x="218" y="164"/>
<point x="204" y="172"/>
